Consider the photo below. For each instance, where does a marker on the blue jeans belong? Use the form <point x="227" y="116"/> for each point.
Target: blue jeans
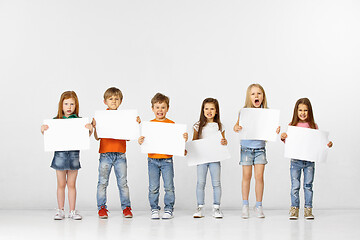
<point x="106" y="162"/>
<point x="202" y="169"/>
<point x="164" y="167"/>
<point x="66" y="160"/>
<point x="252" y="156"/>
<point x="295" y="172"/>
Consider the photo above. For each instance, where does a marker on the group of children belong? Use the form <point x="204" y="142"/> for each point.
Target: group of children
<point x="113" y="154"/>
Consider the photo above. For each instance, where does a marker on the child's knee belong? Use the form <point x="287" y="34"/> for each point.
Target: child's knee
<point x="308" y="186"/>
<point x="201" y="184"/>
<point x="259" y="178"/>
<point x="153" y="189"/>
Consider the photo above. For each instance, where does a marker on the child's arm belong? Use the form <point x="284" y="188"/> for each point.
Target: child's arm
<point x="93" y="123"/>
<point x="223" y="141"/>
<point x="237" y="127"/>
<point x="44" y="128"/>
<point x="90" y="127"/>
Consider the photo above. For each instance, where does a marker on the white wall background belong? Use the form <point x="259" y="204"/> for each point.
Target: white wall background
<point x="189" y="50"/>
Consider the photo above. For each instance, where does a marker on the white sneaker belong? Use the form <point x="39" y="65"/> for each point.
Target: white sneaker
<point x="59" y="215"/>
<point x="74" y="214"/>
<point x="199" y="212"/>
<point x="217" y="212"/>
<point x="245" y="212"/>
<point x="259" y="212"/>
<point x="168" y="214"/>
<point x="155" y="214"/>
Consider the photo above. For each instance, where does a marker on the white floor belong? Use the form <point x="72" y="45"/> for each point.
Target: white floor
<point x="328" y="224"/>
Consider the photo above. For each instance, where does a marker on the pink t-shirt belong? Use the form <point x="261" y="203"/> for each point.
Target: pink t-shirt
<point x="305" y="125"/>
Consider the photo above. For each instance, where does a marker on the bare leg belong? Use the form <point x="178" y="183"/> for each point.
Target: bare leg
<point x="259" y="181"/>
<point x="246" y="179"/>
<point x="71" y="184"/>
<point x="61" y="183"/>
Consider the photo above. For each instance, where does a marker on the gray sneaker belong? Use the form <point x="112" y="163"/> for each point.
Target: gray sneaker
<point x="199" y="212"/>
<point x="259" y="212"/>
<point x="245" y="212"/>
<point x="155" y="214"/>
<point x="217" y="212"/>
<point x="168" y="214"/>
<point x="74" y="214"/>
<point x="59" y="215"/>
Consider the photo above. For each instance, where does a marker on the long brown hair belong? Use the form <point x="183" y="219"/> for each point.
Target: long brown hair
<point x="310" y="116"/>
<point x="203" y="121"/>
<point x="248" y="103"/>
<point x="67" y="95"/>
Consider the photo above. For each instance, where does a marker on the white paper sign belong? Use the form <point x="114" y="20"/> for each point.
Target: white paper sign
<point x="117" y="124"/>
<point x="306" y="144"/>
<point x="259" y="124"/>
<point x="66" y="134"/>
<point x="206" y="150"/>
<point x="163" y="138"/>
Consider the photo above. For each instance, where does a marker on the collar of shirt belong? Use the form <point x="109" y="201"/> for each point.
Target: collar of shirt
<point x="71" y="116"/>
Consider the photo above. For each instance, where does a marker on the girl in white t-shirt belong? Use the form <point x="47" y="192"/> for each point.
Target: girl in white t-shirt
<point x="208" y="125"/>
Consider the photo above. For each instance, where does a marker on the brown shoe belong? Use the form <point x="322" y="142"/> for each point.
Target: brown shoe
<point x="294" y="213"/>
<point x="308" y="213"/>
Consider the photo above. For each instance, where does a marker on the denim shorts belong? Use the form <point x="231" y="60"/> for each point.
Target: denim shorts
<point x="66" y="160"/>
<point x="252" y="156"/>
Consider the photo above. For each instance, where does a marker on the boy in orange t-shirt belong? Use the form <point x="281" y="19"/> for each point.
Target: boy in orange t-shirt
<point x="161" y="164"/>
<point x="112" y="154"/>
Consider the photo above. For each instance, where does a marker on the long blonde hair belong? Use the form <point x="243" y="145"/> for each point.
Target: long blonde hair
<point x="67" y="95"/>
<point x="248" y="103"/>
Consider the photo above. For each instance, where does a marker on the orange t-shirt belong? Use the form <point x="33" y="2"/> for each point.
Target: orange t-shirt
<point x="112" y="145"/>
<point x="155" y="155"/>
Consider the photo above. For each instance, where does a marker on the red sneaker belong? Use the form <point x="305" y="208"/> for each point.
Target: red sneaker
<point x="103" y="212"/>
<point x="127" y="212"/>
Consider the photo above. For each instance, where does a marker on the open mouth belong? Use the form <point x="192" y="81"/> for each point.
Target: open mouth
<point x="257" y="101"/>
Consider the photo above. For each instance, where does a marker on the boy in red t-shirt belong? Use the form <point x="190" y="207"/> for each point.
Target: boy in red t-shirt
<point x="112" y="154"/>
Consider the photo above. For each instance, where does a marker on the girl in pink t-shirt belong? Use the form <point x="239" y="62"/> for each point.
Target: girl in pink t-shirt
<point x="302" y="117"/>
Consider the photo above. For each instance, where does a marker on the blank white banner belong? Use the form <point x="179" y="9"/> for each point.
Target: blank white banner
<point x="66" y="134"/>
<point x="117" y="124"/>
<point x="259" y="124"/>
<point x="206" y="150"/>
<point x="306" y="144"/>
<point x="163" y="138"/>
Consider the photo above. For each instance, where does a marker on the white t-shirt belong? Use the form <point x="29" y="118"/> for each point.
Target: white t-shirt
<point x="209" y="129"/>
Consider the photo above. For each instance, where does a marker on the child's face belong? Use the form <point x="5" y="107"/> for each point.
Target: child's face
<point x="209" y="111"/>
<point x="68" y="106"/>
<point x="113" y="102"/>
<point x="256" y="96"/>
<point x="303" y="112"/>
<point x="160" y="110"/>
